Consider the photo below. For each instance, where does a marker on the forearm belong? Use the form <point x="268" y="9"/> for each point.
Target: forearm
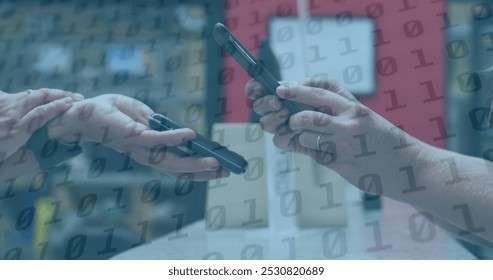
<point x="457" y="189"/>
<point x="454" y="231"/>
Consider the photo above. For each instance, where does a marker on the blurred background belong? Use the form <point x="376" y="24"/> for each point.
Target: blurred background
<point x="425" y="72"/>
<point x="158" y="52"/>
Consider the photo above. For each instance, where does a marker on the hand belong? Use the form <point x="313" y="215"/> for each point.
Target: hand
<point x="23" y="113"/>
<point x="120" y="123"/>
<point x="352" y="140"/>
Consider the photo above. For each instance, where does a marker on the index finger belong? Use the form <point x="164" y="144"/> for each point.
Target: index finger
<point x="202" y="176"/>
<point x="254" y="89"/>
<point x="150" y="138"/>
<point x="319" y="98"/>
<point x="330" y="85"/>
<point x="39" y="97"/>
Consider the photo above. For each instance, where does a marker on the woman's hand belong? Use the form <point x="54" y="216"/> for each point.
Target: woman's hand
<point x="121" y="123"/>
<point x="342" y="134"/>
<point x="339" y="132"/>
<point x="23" y="113"/>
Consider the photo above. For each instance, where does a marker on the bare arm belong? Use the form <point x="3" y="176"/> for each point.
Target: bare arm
<point x="120" y="123"/>
<point x="457" y="189"/>
<point x="20" y="115"/>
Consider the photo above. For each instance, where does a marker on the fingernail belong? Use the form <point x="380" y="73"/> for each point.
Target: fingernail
<point x="284" y="114"/>
<point x="188" y="138"/>
<point x="214" y="168"/>
<point x="78" y="97"/>
<point x="274" y="104"/>
<point x="258" y="90"/>
<point x="283" y="91"/>
<point x="67" y="100"/>
<point x="296" y="130"/>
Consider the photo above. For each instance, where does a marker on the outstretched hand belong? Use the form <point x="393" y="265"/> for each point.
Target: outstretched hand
<point x="121" y="123"/>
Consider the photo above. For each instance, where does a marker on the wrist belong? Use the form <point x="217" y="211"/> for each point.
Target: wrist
<point x="64" y="128"/>
<point x="415" y="174"/>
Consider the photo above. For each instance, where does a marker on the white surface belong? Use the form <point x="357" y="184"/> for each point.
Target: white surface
<point x="356" y="241"/>
<point x="338" y="48"/>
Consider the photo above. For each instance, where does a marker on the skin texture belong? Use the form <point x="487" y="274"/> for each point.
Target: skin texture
<point x="113" y="120"/>
<point x="24" y="112"/>
<point x="120" y="123"/>
<point x="377" y="157"/>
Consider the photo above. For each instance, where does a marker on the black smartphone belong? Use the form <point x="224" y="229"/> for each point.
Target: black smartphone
<point x="203" y="146"/>
<point x="250" y="64"/>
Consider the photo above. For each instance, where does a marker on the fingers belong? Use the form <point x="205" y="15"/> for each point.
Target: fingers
<point x="317" y="141"/>
<point x="159" y="148"/>
<point x="202" y="176"/>
<point x="42" y="114"/>
<point x="182" y="167"/>
<point x="310" y="140"/>
<point x="156" y="148"/>
<point x="172" y="160"/>
<point x="321" y="99"/>
<point x="190" y="164"/>
<point x="330" y="85"/>
<point x="272" y="121"/>
<point x="266" y="104"/>
<point x="314" y="121"/>
<point x="146" y="137"/>
<point x="306" y="144"/>
<point x="262" y="105"/>
<point x="44" y="96"/>
<point x="286" y="139"/>
<point x="254" y="89"/>
<point x="170" y="138"/>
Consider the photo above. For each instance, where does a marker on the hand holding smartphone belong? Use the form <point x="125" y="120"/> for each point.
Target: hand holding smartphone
<point x="206" y="147"/>
<point x="250" y="64"/>
<point x="203" y="146"/>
